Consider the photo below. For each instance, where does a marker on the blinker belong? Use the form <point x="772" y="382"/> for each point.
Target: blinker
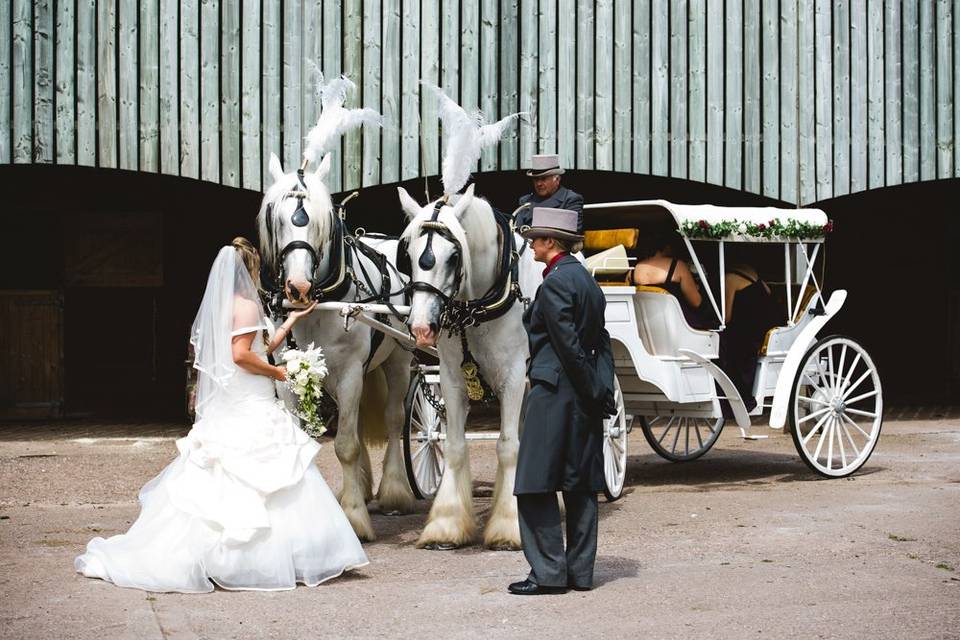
<point x="300" y="217"/>
<point x="427" y="259"/>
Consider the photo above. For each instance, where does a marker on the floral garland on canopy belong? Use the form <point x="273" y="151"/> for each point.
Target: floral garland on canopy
<point x="775" y="228"/>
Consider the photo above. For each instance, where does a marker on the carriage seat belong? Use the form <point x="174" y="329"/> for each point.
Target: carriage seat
<point x="600" y="239"/>
<point x="779" y="339"/>
<point x="607" y="250"/>
<point x="610" y="267"/>
<point x="663" y="328"/>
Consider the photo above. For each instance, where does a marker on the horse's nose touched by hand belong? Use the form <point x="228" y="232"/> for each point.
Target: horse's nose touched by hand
<point x="298" y="291"/>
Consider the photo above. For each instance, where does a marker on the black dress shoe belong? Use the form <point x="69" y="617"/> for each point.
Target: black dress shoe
<point x="578" y="587"/>
<point x="530" y="588"/>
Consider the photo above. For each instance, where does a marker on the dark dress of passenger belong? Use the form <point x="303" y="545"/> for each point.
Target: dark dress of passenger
<point x="696" y="317"/>
<point x="754" y="313"/>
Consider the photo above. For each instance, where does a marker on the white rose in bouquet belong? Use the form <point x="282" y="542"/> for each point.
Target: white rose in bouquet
<point x="306" y="371"/>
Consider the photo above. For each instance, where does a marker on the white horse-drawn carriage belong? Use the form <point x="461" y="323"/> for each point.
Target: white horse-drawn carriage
<point x="825" y="391"/>
<point x="462" y="303"/>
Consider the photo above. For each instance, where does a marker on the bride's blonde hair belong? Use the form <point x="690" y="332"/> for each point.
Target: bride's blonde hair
<point x="251" y="259"/>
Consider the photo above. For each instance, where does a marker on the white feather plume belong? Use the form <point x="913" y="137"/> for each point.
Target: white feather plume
<point x="467" y="136"/>
<point x="334" y="120"/>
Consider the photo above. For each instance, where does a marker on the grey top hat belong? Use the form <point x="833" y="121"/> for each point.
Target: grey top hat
<point x="553" y="223"/>
<point x="544" y="165"/>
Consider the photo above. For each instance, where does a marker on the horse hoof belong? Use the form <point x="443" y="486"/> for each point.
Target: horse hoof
<point x="441" y="546"/>
<point x="504" y="547"/>
<point x="393" y="512"/>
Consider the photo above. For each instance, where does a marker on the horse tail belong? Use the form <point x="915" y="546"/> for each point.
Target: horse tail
<point x="373" y="404"/>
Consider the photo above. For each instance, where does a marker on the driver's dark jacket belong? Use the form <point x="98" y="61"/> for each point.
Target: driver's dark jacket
<point x="562" y="198"/>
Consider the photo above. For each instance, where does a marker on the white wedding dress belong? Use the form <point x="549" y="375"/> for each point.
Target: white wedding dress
<point x="243" y="505"/>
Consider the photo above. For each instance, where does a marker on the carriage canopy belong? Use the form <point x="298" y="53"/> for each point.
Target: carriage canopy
<point x="711" y="222"/>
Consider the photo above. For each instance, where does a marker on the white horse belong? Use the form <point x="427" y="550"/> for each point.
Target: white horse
<point x="300" y="243"/>
<point x="454" y="248"/>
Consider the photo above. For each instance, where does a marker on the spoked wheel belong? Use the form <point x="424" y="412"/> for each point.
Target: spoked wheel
<point x="615" y="429"/>
<point x="836" y="407"/>
<point x="424" y="433"/>
<point x="681" y="438"/>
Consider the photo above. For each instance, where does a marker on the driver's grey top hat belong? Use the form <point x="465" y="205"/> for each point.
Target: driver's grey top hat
<point x="553" y="223"/>
<point x="544" y="165"/>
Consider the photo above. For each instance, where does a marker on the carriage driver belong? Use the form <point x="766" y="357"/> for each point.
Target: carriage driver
<point x="571" y="388"/>
<point x="547" y="192"/>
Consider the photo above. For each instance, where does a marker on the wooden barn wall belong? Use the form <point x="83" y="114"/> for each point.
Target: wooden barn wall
<point x="800" y="100"/>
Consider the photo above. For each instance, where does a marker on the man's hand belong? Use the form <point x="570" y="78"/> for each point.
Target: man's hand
<point x="296" y="315"/>
<point x="609" y="405"/>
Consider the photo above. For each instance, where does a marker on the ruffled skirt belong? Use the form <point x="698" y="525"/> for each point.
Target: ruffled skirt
<point x="243" y="506"/>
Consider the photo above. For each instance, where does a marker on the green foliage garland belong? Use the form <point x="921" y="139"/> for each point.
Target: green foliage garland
<point x="791" y="229"/>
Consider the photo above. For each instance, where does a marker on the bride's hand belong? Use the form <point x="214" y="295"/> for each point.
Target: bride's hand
<point x="296" y="315"/>
<point x="280" y="375"/>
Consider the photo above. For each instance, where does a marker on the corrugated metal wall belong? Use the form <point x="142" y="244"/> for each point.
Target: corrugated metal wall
<point x="800" y="100"/>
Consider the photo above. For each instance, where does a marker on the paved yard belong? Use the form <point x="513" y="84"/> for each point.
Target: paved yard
<point x="743" y="543"/>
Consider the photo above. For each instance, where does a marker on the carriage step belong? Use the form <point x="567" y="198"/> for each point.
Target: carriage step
<point x="746" y="435"/>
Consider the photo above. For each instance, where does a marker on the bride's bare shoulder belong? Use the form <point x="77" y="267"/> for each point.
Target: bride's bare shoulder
<point x="246" y="310"/>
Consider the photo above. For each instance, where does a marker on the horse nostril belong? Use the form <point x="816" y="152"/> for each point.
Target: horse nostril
<point x="434" y="327"/>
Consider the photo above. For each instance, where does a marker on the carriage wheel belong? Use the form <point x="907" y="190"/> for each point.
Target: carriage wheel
<point x="681" y="438"/>
<point x="836" y="407"/>
<point x="422" y="440"/>
<point x="615" y="430"/>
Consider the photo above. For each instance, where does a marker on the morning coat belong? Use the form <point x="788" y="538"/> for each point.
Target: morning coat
<point x="571" y="382"/>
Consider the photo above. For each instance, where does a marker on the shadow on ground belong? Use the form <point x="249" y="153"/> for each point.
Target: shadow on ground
<point x="723" y="469"/>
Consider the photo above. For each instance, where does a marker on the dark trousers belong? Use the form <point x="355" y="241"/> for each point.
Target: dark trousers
<point x="541" y="533"/>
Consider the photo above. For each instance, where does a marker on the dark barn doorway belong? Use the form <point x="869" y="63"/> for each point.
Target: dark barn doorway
<point x="102" y="272"/>
<point x="125" y="255"/>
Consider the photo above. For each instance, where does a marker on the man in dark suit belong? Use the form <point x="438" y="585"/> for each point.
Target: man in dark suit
<point x="547" y="191"/>
<point x="571" y="378"/>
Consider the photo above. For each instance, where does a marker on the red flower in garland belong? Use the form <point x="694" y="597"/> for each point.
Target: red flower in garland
<point x="828" y="228"/>
<point x="761" y="227"/>
<point x="704" y="224"/>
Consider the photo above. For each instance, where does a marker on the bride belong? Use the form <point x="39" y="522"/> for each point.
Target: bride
<point x="243" y="505"/>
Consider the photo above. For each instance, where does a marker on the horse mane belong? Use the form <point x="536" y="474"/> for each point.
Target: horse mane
<point x="475" y="225"/>
<point x="321" y="221"/>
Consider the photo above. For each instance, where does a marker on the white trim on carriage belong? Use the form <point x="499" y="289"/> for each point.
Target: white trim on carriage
<point x="713" y="214"/>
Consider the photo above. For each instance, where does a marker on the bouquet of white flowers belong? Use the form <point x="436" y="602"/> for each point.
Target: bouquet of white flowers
<point x="306" y="370"/>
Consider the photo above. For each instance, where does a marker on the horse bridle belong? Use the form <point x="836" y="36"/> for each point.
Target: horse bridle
<point x="456" y="315"/>
<point x="300" y="218"/>
<point x="428" y="260"/>
<point x="338" y="280"/>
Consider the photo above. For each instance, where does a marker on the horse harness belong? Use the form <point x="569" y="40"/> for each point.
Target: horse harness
<point x="458" y="315"/>
<point x="344" y="251"/>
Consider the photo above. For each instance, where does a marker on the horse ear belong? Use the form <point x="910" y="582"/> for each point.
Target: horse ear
<point x="276" y="169"/>
<point x="408" y="204"/>
<point x="463" y="203"/>
<point x="324" y="167"/>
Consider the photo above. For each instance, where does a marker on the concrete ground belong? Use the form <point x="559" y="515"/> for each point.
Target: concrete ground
<point x="745" y="542"/>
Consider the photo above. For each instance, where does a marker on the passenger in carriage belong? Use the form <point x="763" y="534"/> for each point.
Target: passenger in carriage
<point x="751" y="311"/>
<point x="657" y="266"/>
